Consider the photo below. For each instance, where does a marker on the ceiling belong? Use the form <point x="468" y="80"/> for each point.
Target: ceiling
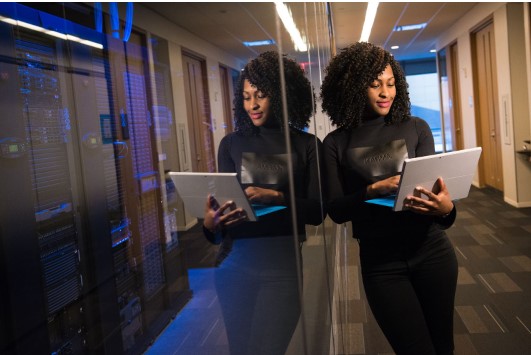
<point x="228" y="24"/>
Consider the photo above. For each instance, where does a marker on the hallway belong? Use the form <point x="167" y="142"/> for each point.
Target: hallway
<point x="492" y="309"/>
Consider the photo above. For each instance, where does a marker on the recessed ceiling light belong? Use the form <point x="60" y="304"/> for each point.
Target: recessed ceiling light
<point x="395" y="47"/>
<point x="433" y="50"/>
<point x="418" y="26"/>
<point x="266" y="42"/>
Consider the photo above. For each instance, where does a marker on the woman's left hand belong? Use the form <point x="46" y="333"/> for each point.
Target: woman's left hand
<point x="439" y="202"/>
<point x="265" y="196"/>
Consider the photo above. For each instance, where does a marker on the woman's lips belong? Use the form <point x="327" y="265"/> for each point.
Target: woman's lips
<point x="384" y="104"/>
<point x="256" y="116"/>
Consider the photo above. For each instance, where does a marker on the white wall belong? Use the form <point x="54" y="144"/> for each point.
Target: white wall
<point x="518" y="105"/>
<point x="461" y="33"/>
<point x="504" y="95"/>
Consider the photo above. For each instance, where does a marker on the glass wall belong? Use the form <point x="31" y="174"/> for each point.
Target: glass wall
<point x="100" y="252"/>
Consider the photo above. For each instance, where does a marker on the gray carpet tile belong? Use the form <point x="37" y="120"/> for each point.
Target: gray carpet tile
<point x="493" y="299"/>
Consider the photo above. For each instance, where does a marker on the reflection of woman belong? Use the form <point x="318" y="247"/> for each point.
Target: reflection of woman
<point x="408" y="265"/>
<point x="257" y="283"/>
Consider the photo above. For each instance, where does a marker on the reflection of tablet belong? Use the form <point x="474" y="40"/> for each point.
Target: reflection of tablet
<point x="193" y="188"/>
<point x="456" y="168"/>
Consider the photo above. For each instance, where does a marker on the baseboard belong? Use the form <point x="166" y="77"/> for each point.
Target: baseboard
<point x="517" y="204"/>
<point x="188" y="226"/>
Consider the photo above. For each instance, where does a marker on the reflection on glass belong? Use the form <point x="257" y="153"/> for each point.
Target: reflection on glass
<point x="259" y="267"/>
<point x="100" y="233"/>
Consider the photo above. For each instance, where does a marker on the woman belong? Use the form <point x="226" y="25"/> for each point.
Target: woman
<point x="409" y="268"/>
<point x="257" y="282"/>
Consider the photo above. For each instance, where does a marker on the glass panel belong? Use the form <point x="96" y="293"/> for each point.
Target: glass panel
<point x="446" y="102"/>
<point x="111" y="255"/>
<point x="314" y="333"/>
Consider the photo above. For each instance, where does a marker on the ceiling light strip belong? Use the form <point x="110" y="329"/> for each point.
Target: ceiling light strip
<point x="285" y="15"/>
<point x="372" y="7"/>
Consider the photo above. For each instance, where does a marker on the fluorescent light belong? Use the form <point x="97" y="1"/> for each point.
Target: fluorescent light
<point x="29" y="26"/>
<point x="433" y="51"/>
<point x="266" y="42"/>
<point x="395" y="47"/>
<point x="50" y="32"/>
<point x="8" y="20"/>
<point x="285" y="15"/>
<point x="372" y="6"/>
<point x="91" y="44"/>
<point x="56" y="34"/>
<point x="417" y="26"/>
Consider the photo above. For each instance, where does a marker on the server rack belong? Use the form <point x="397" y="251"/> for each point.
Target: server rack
<point x="85" y="259"/>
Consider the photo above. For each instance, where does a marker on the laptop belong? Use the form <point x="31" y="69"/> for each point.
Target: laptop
<point x="456" y="168"/>
<point x="194" y="188"/>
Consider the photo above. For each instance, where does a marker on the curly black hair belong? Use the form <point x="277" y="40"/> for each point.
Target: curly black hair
<point x="264" y="73"/>
<point x="349" y="74"/>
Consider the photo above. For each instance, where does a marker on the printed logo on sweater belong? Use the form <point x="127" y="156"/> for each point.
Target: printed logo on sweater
<point x="269" y="169"/>
<point x="378" y="161"/>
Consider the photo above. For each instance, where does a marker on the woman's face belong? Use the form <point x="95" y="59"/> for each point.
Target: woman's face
<point x="256" y="103"/>
<point x="381" y="93"/>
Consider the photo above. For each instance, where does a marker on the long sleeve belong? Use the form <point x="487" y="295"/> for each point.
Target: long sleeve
<point x="225" y="162"/>
<point x="340" y="205"/>
<point x="426" y="144"/>
<point x="310" y="208"/>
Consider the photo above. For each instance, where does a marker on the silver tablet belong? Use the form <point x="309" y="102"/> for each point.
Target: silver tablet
<point x="194" y="188"/>
<point x="456" y="168"/>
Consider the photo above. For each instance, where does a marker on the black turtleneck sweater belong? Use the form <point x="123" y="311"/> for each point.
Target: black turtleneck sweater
<point x="374" y="151"/>
<point x="261" y="160"/>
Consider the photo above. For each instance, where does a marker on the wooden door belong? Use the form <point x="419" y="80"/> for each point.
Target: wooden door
<point x="451" y="107"/>
<point x="224" y="76"/>
<point x="487" y="110"/>
<point x="455" y="112"/>
<point x="198" y="108"/>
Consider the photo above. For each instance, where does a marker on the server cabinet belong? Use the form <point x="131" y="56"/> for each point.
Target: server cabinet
<point x="86" y="265"/>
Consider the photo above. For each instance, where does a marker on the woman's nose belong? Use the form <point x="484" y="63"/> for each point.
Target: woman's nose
<point x="384" y="92"/>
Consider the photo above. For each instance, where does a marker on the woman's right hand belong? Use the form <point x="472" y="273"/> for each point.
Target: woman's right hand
<point x="383" y="187"/>
<point x="215" y="217"/>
